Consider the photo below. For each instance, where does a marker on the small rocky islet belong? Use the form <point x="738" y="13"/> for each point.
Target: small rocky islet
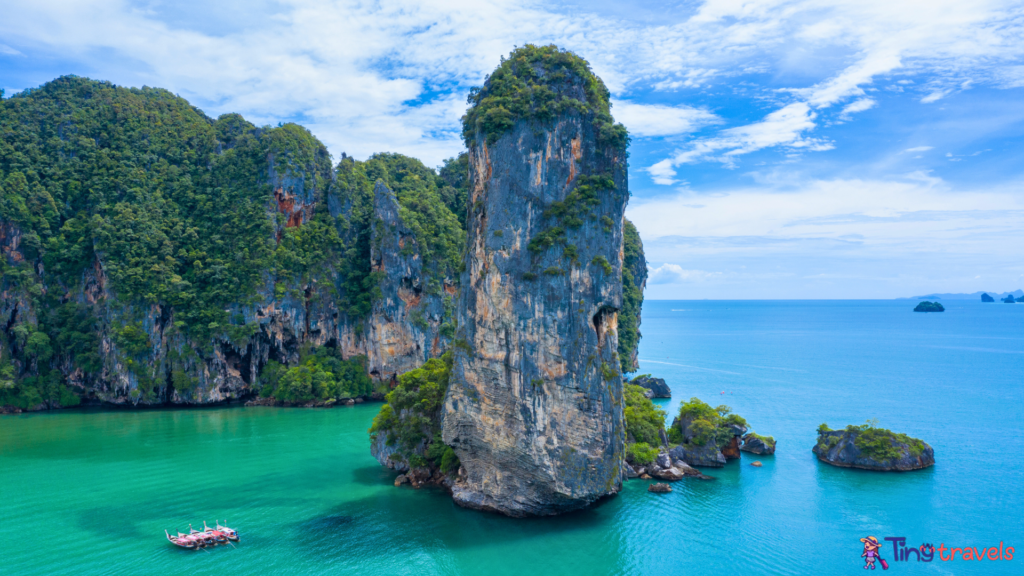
<point x="929" y="307"/>
<point x="700" y="436"/>
<point x="871" y="448"/>
<point x="653" y="387"/>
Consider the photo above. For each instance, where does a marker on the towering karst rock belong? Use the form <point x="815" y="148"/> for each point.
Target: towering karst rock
<point x="534" y="409"/>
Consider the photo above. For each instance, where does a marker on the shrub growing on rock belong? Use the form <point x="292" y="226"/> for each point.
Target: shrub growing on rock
<point x="644" y="420"/>
<point x="411" y="415"/>
<point x="320" y="375"/>
<point x="699" y="424"/>
<point x="640" y="453"/>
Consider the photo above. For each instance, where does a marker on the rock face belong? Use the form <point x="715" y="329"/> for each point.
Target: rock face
<point x="708" y="455"/>
<point x="884" y="451"/>
<point x="659" y="488"/>
<point x="731" y="451"/>
<point x="388" y="337"/>
<point x="986" y="298"/>
<point x="657" y="386"/>
<point x="758" y="444"/>
<point x="534" y="410"/>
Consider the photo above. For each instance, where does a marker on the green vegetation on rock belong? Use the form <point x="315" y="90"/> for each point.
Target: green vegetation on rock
<point x="411" y="416"/>
<point x="162" y="214"/>
<point x="645" y="423"/>
<point x="644" y="420"/>
<point x="641" y="453"/>
<point x="455" y="192"/>
<point x="321" y="374"/>
<point x="880" y="445"/>
<point x="929" y="307"/>
<point x="705" y="424"/>
<point x="538" y="83"/>
<point x="632" y="297"/>
<point x="570" y="214"/>
<point x="439" y="235"/>
<point x="768" y="440"/>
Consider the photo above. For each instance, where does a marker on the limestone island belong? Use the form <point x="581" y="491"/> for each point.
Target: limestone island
<point x="525" y="415"/>
<point x="1009" y="299"/>
<point x="986" y="298"/>
<point x="871" y="448"/>
<point x="706" y="436"/>
<point x="929" y="307"/>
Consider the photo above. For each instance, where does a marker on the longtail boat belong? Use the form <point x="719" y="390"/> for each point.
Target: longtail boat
<point x="200" y="543"/>
<point x="230" y="533"/>
<point x="207" y="538"/>
<point x="197" y="539"/>
<point x="219" y="536"/>
<point x="181" y="540"/>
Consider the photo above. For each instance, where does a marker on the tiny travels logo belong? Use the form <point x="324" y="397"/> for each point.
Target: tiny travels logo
<point x="927" y="552"/>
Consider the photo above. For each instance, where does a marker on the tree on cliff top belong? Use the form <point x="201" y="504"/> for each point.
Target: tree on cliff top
<point x="539" y="83"/>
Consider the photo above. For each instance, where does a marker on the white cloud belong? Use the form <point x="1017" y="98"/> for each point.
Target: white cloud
<point x="4" y="49"/>
<point x="358" y="72"/>
<point x="663" y="173"/>
<point x="784" y="127"/>
<point x="917" y="210"/>
<point x="675" y="274"/>
<point x="954" y="41"/>
<point x="661" y="120"/>
<point x="919" y="149"/>
<point x="836" y="238"/>
<point x="1011" y="77"/>
<point x="858" y="106"/>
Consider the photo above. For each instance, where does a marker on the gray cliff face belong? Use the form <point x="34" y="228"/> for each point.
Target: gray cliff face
<point x="400" y="333"/>
<point x="534" y="410"/>
<point x="403" y="329"/>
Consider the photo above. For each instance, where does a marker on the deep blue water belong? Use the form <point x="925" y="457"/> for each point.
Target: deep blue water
<point x="954" y="379"/>
<point x="86" y="492"/>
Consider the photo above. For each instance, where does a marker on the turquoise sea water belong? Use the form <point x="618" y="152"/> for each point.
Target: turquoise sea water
<point x="85" y="492"/>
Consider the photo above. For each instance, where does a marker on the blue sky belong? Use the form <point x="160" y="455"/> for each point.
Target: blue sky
<point x="781" y="149"/>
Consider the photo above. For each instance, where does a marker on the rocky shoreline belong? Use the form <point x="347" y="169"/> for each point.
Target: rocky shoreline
<point x="333" y="402"/>
<point x="247" y="401"/>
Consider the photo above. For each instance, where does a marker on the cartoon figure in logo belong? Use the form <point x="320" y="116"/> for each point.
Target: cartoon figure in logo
<point x="870" y="554"/>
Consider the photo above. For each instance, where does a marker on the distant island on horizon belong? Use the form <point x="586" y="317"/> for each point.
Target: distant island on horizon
<point x="964" y="296"/>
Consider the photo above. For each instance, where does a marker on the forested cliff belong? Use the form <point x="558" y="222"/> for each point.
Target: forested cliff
<point x="153" y="255"/>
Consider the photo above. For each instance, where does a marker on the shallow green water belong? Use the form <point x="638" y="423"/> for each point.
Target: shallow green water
<point x="307" y="498"/>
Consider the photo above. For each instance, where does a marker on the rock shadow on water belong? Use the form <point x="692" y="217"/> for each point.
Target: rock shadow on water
<point x="408" y="521"/>
<point x="373" y="475"/>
